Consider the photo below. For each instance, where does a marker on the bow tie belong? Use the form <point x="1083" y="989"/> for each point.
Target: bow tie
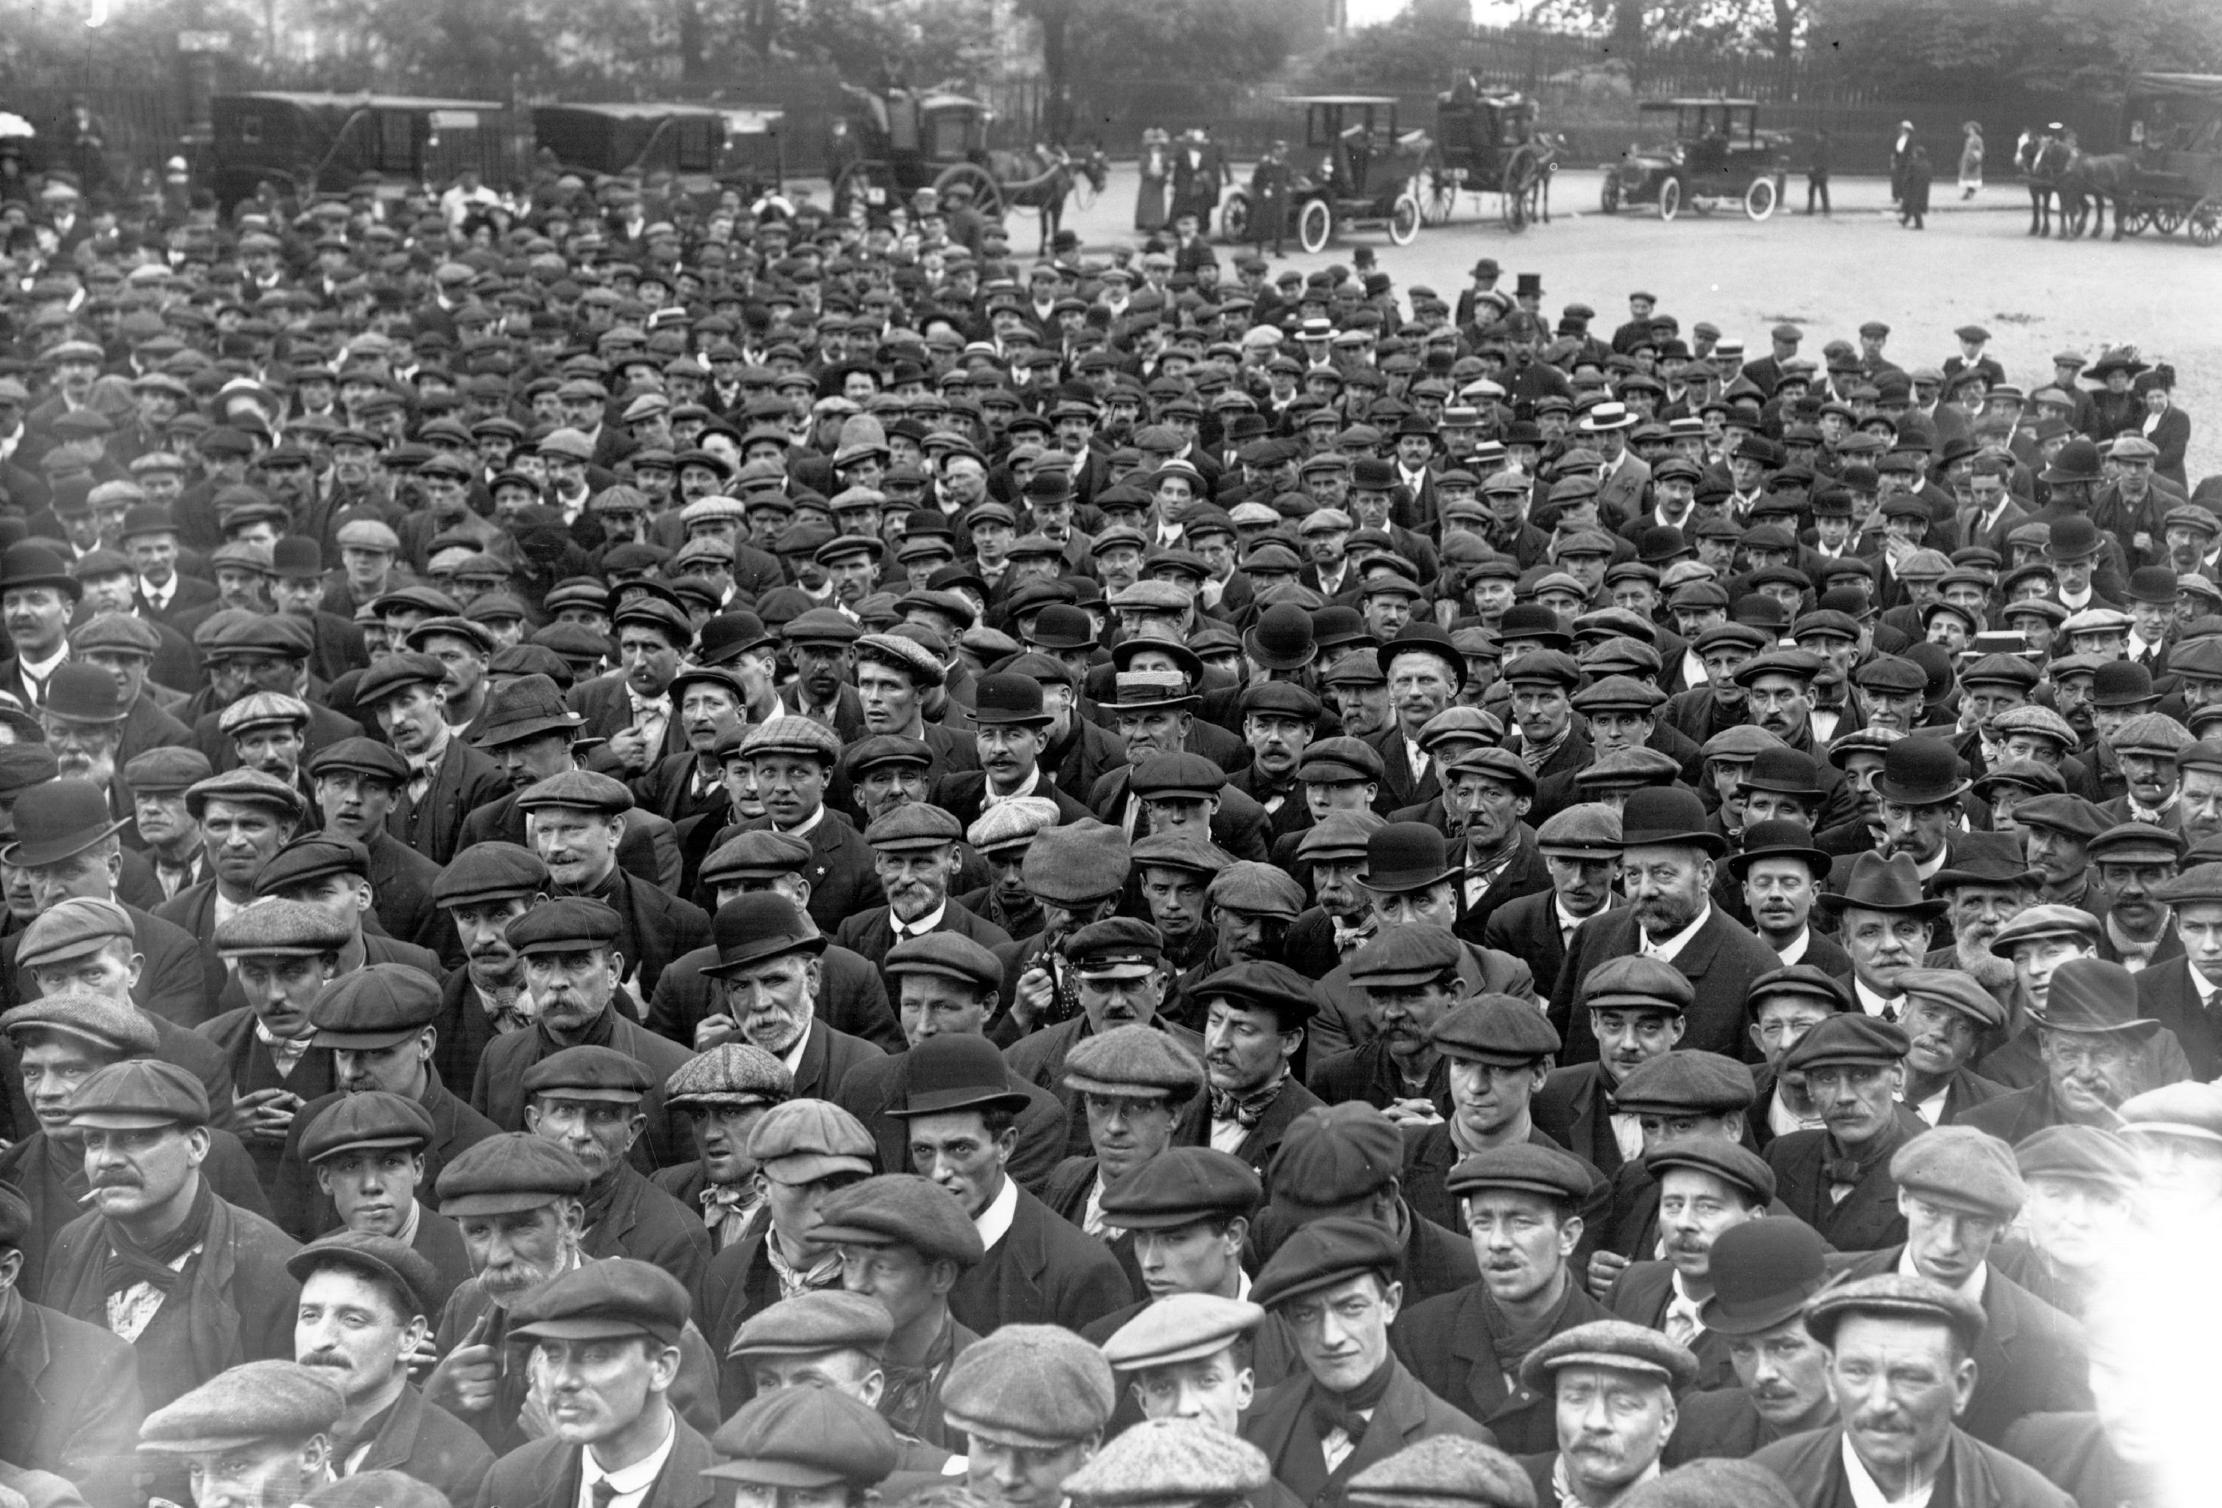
<point x="1330" y="1413"/>
<point x="650" y="706"/>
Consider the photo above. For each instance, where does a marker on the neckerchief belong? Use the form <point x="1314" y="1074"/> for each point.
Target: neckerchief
<point x="1248" y="1109"/>
<point x="1850" y="1167"/>
<point x="129" y="1263"/>
<point x="824" y="1273"/>
<point x="1347" y="1411"/>
<point x="1512" y="1342"/>
<point x="1350" y="938"/>
<point x="909" y="1391"/>
<point x="726" y="1208"/>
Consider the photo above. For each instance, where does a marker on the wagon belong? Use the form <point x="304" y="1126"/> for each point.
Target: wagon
<point x="1719" y="158"/>
<point x="699" y="146"/>
<point x="1486" y="143"/>
<point x="2172" y="128"/>
<point x="326" y="143"/>
<point x="1359" y="172"/>
<point x="892" y="142"/>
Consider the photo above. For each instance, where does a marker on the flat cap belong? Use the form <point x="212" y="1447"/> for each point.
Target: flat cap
<point x="372" y="1118"/>
<point x="1850" y="1038"/>
<point x="1730" y="1162"/>
<point x="312" y="857"/>
<point x="2048" y="921"/>
<point x="585" y="790"/>
<point x="946" y="955"/>
<point x="913" y="827"/>
<point x="168" y="770"/>
<point x="1614" y="1344"/>
<point x="489" y="872"/>
<point x="2083" y="1153"/>
<point x="1636" y="982"/>
<point x="115" y="1028"/>
<point x="1039" y="1387"/>
<point x="732" y="1074"/>
<point x="567" y="924"/>
<point x="1687" y="1082"/>
<point x="806" y="1438"/>
<point x="1180" y="1327"/>
<point x="247" y="788"/>
<point x="1181" y="1186"/>
<point x="1339" y="761"/>
<point x="1963" y="1168"/>
<point x="1528" y="1167"/>
<point x="281" y="927"/>
<point x="262" y="709"/>
<point x="589" y="1073"/>
<point x="805" y="1140"/>
<point x="72" y="928"/>
<point x="1256" y="889"/>
<point x="1443" y="1471"/>
<point x="1495" y="1029"/>
<point x="1135" y="1061"/>
<point x="1955" y="991"/>
<point x="605" y="1299"/>
<point x="115" y="632"/>
<point x="826" y="1319"/>
<point x="761" y="854"/>
<point x="375" y="1006"/>
<point x="1074" y="864"/>
<point x="792" y="735"/>
<point x="1323" y="1253"/>
<point x="2184" y="1109"/>
<point x="1406" y="956"/>
<point x="1170" y="1463"/>
<point x="1894" y="1297"/>
<point x="379" y="1257"/>
<point x="1589" y="829"/>
<point x="507" y="1173"/>
<point x="255" y="1401"/>
<point x="1332" y="1154"/>
<point x="902" y="1208"/>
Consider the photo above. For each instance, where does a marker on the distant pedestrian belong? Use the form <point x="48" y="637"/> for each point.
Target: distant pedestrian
<point x="1971" y="160"/>
<point x="1157" y="170"/>
<point x="1901" y="153"/>
<point x="1817" y="172"/>
<point x="1913" y="202"/>
<point x="1269" y="198"/>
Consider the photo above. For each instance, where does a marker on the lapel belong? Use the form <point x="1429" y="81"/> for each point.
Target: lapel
<point x="397" y="1438"/>
<point x="812" y="1067"/>
<point x="1400" y="1418"/>
<point x="1697" y="957"/>
<point x="1485" y="1388"/>
<point x="681" y="1483"/>
<point x="1023" y="1248"/>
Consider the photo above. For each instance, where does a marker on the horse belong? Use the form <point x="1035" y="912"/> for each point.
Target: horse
<point x="2086" y="185"/>
<point x="2041" y="157"/>
<point x="1041" y="178"/>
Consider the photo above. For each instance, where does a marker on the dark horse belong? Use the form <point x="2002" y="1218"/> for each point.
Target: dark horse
<point x="2041" y="158"/>
<point x="1041" y="178"/>
<point x="2086" y="186"/>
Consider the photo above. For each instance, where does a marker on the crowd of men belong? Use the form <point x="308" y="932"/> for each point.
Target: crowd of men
<point x="667" y="851"/>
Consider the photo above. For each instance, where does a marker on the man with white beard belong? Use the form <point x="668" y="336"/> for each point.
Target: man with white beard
<point x="1986" y="885"/>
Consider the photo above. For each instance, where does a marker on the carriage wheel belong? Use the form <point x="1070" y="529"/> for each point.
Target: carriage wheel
<point x="1759" y="199"/>
<point x="1438" y="185"/>
<point x="1608" y="197"/>
<point x="1234" y="218"/>
<point x="1315" y="224"/>
<point x="987" y="194"/>
<point x="2166" y="218"/>
<point x="2205" y="222"/>
<point x="2136" y="219"/>
<point x="1670" y="198"/>
<point x="1404" y="219"/>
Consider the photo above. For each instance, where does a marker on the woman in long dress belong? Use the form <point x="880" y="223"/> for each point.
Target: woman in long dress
<point x="1971" y="160"/>
<point x="1157" y="172"/>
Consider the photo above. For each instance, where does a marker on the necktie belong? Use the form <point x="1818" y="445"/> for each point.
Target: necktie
<point x="1891" y="1008"/>
<point x="602" y="1492"/>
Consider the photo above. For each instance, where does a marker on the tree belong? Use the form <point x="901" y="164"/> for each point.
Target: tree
<point x="1227" y="43"/>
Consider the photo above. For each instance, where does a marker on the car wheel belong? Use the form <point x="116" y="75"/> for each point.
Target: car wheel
<point x="1404" y="219"/>
<point x="1670" y="198"/>
<point x="1759" y="199"/>
<point x="1315" y="225"/>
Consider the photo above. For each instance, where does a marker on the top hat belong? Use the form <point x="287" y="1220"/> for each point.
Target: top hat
<point x="1921" y="771"/>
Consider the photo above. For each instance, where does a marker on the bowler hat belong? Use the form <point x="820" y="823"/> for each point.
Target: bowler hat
<point x="1762" y="1273"/>
<point x="1668" y="816"/>
<point x="1921" y="771"/>
<point x="57" y="819"/>
<point x="759" y="925"/>
<point x="1282" y="638"/>
<point x="1406" y="856"/>
<point x="1782" y="838"/>
<point x="955" y="1071"/>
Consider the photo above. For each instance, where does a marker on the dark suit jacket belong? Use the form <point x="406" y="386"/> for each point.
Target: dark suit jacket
<point x="1867" y="1218"/>
<point x="545" y="1474"/>
<point x="69" y="1402"/>
<point x="1526" y="926"/>
<point x="1721" y="961"/>
<point x="1280" y="1424"/>
<point x="840" y="871"/>
<point x="1239" y="826"/>
<point x="2165" y="993"/>
<point x="961" y="793"/>
<point x="1446" y="1343"/>
<point x="498" y="1090"/>
<point x="433" y="827"/>
<point x="643" y="1222"/>
<point x="852" y="998"/>
<point x="1043" y="1272"/>
<point x="423" y="1440"/>
<point x="1641" y="1294"/>
<point x="1193" y="1129"/>
<point x="306" y="1212"/>
<point x="2030" y="1358"/>
<point x="1811" y="1465"/>
<point x="1039" y="1058"/>
<point x="1523" y="876"/>
<point x="608" y="710"/>
<point x="171" y="984"/>
<point x="874" y="1084"/>
<point x="871" y="934"/>
<point x="1574" y="1109"/>
<point x="649" y="848"/>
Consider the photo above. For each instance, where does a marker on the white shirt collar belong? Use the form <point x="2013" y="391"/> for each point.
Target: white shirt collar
<point x="1027" y="787"/>
<point x="807" y="825"/>
<point x="1796" y="950"/>
<point x="994" y="1222"/>
<point x="631" y="1482"/>
<point x="793" y="1056"/>
<point x="1871" y="1002"/>
<point x="2206" y="988"/>
<point x="41" y="669"/>
<point x="926" y="923"/>
<point x="1868" y="1493"/>
<point x="1670" y="949"/>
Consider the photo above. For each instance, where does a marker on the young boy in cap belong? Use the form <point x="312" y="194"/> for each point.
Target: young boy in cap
<point x="257" y="1432"/>
<point x="366" y="1153"/>
<point x="1189" y="1356"/>
<point x="605" y="1342"/>
<point x="367" y="1303"/>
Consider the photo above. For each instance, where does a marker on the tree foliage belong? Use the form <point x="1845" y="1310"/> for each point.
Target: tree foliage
<point x="1973" y="47"/>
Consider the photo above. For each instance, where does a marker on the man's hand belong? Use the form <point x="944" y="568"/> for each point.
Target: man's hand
<point x="1037" y="992"/>
<point x="1605" y="1268"/>
<point x="468" y="1377"/>
<point x="1413" y="1112"/>
<point x="712" y="1030"/>
<point x="629" y="747"/>
<point x="262" y="1115"/>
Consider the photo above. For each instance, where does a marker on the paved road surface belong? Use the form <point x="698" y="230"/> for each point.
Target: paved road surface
<point x="1973" y="264"/>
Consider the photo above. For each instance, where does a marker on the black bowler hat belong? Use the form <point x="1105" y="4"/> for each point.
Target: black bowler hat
<point x="1763" y="1271"/>
<point x="1781" y="838"/>
<point x="1009" y="700"/>
<point x="1406" y="856"/>
<point x="762" y="924"/>
<point x="1921" y="771"/>
<point x="1667" y="815"/>
<point x="26" y="564"/>
<point x="57" y="819"/>
<point x="1282" y="638"/>
<point x="955" y="1071"/>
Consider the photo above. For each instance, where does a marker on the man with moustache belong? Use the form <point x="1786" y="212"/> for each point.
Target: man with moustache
<point x="1011" y="733"/>
<point x="1704" y="1185"/>
<point x="1637" y="1009"/>
<point x="1984" y="887"/>
<point x="1763" y="1272"/>
<point x="448" y="779"/>
<point x="724" y="1091"/>
<point x="1613" y="1387"/>
<point x="366" y="1306"/>
<point x="1254" y="1019"/>
<point x="257" y="1432"/>
<point x="2130" y="862"/>
<point x="2093" y="1049"/>
<point x="1837" y="1178"/>
<point x="1781" y="872"/>
<point x="915" y="857"/>
<point x="1949" y="1018"/>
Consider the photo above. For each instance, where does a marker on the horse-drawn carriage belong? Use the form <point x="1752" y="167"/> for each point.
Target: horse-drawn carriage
<point x="1487" y="143"/>
<point x="1719" y="157"/>
<point x="1365" y="173"/>
<point x="704" y="148"/>
<point x="327" y="143"/>
<point x="2172" y="127"/>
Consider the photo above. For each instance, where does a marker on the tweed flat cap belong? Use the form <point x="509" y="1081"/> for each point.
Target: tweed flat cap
<point x="286" y="928"/>
<point x="507" y="1173"/>
<point x="1589" y="829"/>
<point x="115" y="633"/>
<point x="826" y="1319"/>
<point x="1851" y="1039"/>
<point x="1340" y="836"/>
<point x="1713" y="1482"/>
<point x="1012" y="824"/>
<point x="1339" y="761"/>
<point x="2152" y="733"/>
<point x="487" y="872"/>
<point x="262" y="709"/>
<point x="1181" y="851"/>
<point x="1614" y="1344"/>
<point x="245" y="787"/>
<point x="888" y="1209"/>
<point x="1170" y="1462"/>
<point x="731" y="1073"/>
<point x="583" y="789"/>
<point x="792" y="735"/>
<point x="805" y="1140"/>
<point x="1257" y="889"/>
<point x="1332" y="1154"/>
<point x="255" y="1401"/>
<point x="1180" y="1327"/>
<point x="1528" y="1167"/>
<point x="396" y="674"/>
<point x="805" y="1438"/>
<point x="1321" y="1254"/>
<point x="1181" y="1186"/>
<point x="379" y="1257"/>
<point x="1135" y="1061"/>
<point x="372" y="1118"/>
<point x="312" y="857"/>
<point x="1733" y="1164"/>
<point x="374" y="1006"/>
<point x="2072" y="922"/>
<point x="606" y="1299"/>
<point x="72" y="928"/>
<point x="1634" y="982"/>
<point x="1039" y="1387"/>
<point x="1894" y="1297"/>
<point x="902" y="653"/>
<point x="1686" y="1082"/>
<point x="913" y="827"/>
<point x="1443" y="1471"/>
<point x="1073" y="865"/>
<point x="2183" y="1109"/>
<point x="138" y="1095"/>
<point x="167" y="770"/>
<point x="114" y="1028"/>
<point x="1954" y="991"/>
<point x="1495" y="1029"/>
<point x="1401" y="957"/>
<point x="1963" y="1168"/>
<point x="2085" y="1154"/>
<point x="589" y="1073"/>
